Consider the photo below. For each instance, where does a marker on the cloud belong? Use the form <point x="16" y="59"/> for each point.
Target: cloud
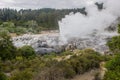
<point x="34" y="4"/>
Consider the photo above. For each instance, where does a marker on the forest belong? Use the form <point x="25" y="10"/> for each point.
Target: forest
<point x="26" y="20"/>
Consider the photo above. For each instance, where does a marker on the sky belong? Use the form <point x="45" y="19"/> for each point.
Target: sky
<point x="35" y="4"/>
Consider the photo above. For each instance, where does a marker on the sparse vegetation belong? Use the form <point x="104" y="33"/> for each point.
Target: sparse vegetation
<point x="113" y="67"/>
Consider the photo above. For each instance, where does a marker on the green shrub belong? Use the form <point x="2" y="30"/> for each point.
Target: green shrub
<point x="27" y="51"/>
<point x="3" y="76"/>
<point x="7" y="49"/>
<point x="66" y="53"/>
<point x="118" y="28"/>
<point x="113" y="67"/>
<point x="67" y="69"/>
<point x="114" y="44"/>
<point x="22" y="75"/>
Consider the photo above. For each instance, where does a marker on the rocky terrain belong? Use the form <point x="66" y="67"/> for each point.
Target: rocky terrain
<point x="52" y="42"/>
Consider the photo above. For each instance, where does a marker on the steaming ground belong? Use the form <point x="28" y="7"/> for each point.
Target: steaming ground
<point x="90" y="29"/>
<point x="48" y="43"/>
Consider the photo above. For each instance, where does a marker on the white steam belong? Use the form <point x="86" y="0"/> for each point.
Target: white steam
<point x="79" y="31"/>
<point x="79" y="25"/>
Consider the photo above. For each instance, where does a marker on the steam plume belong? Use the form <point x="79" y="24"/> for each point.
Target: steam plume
<point x="98" y="18"/>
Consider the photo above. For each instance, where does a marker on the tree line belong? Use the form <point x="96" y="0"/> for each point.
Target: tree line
<point x="46" y="18"/>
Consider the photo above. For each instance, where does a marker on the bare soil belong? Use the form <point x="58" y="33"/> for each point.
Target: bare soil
<point x="86" y="76"/>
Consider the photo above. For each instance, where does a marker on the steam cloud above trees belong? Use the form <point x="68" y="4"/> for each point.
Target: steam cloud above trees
<point x="79" y="25"/>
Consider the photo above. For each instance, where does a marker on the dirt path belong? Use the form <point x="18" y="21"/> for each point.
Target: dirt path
<point x="86" y="76"/>
<point x="91" y="74"/>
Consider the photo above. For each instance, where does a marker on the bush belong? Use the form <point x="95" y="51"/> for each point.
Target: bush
<point x="67" y="69"/>
<point x="23" y="75"/>
<point x="114" y="44"/>
<point x="19" y="30"/>
<point x="113" y="67"/>
<point x="26" y="51"/>
<point x="3" y="76"/>
<point x="7" y="49"/>
<point x="118" y="28"/>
